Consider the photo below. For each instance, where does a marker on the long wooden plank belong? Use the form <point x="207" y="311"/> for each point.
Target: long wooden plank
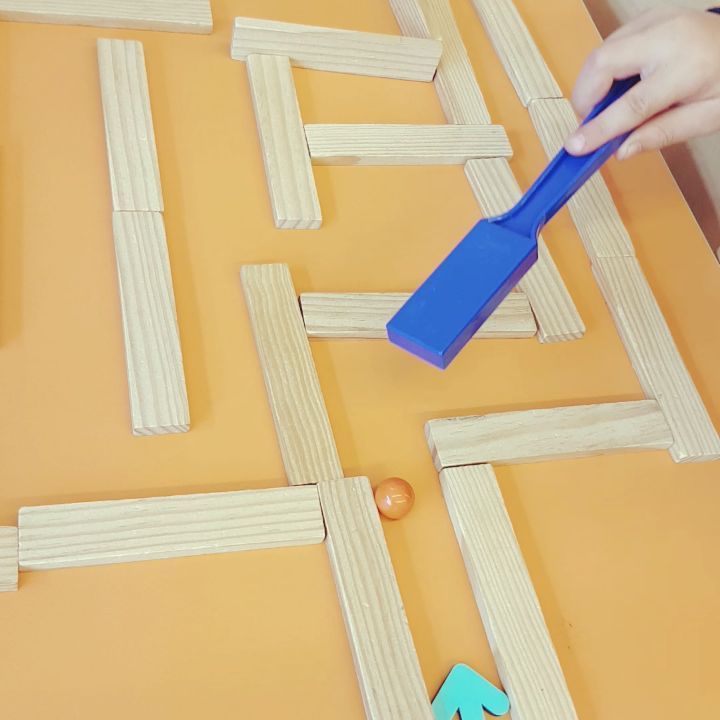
<point x="386" y="663"/>
<point x="290" y="180"/>
<point x="496" y="191"/>
<point x="592" y="208"/>
<point x="301" y="420"/>
<point x="517" y="50"/>
<point x="346" y="51"/>
<point x="115" y="531"/>
<point x="550" y="434"/>
<point x="656" y="359"/>
<point x="129" y="134"/>
<point x="524" y="654"/>
<point x="191" y="16"/>
<point x="455" y="82"/>
<point x="351" y="144"/>
<point x="156" y="379"/>
<point x="364" y="315"/>
<point x="8" y="559"/>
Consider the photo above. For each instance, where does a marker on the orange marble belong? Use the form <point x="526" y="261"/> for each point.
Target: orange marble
<point x="394" y="498"/>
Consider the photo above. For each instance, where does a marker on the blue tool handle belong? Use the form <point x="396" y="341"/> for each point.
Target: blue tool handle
<point x="564" y="176"/>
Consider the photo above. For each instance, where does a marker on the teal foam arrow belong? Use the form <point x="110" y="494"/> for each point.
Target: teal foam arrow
<point x="467" y="693"/>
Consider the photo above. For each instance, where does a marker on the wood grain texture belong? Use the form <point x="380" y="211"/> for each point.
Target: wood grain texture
<point x="517" y="51"/>
<point x="386" y="663"/>
<point x="191" y="16"/>
<point x="291" y="185"/>
<point x="524" y="654"/>
<point x="129" y="134"/>
<point x="550" y="434"/>
<point x="455" y="82"/>
<point x="365" y="315"/>
<point x="115" y="531"/>
<point x="8" y="559"/>
<point x="592" y="208"/>
<point x="156" y="379"/>
<point x="496" y="191"/>
<point x="301" y="420"/>
<point x="346" y="51"/>
<point x="656" y="359"/>
<point x="351" y="144"/>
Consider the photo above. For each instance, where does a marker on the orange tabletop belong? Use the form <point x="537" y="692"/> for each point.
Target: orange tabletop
<point x="622" y="549"/>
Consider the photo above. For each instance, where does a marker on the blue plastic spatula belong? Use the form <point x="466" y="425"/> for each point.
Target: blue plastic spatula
<point x="443" y="314"/>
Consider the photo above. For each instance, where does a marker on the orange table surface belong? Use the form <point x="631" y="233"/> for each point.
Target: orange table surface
<point x="622" y="549"/>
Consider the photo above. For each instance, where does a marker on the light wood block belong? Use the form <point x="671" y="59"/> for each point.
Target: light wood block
<point x="455" y="82"/>
<point x="386" y="663"/>
<point x="364" y="315"/>
<point x="592" y="208"/>
<point x="301" y="420"/>
<point x="8" y="559"/>
<point x="116" y="531"/>
<point x="655" y="357"/>
<point x="496" y="190"/>
<point x="517" y="50"/>
<point x="129" y="134"/>
<point x="524" y="654"/>
<point x="405" y="144"/>
<point x="190" y="16"/>
<point x="551" y="434"/>
<point x="156" y="379"/>
<point x="345" y="51"/>
<point x="290" y="180"/>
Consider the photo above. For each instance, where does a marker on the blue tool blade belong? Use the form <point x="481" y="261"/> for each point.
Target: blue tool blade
<point x="449" y="307"/>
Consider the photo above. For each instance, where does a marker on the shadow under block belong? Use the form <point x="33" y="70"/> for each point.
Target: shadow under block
<point x="129" y="135"/>
<point x="524" y="654"/>
<point x="298" y="408"/>
<point x="291" y="185"/>
<point x="404" y="144"/>
<point x="190" y="16"/>
<point x="385" y="659"/>
<point x="455" y="83"/>
<point x="156" y="379"/>
<point x="496" y="191"/>
<point x="345" y="51"/>
<point x="655" y="358"/>
<point x="8" y="559"/>
<point x="365" y="315"/>
<point x="116" y="531"/>
<point x="517" y="50"/>
<point x="551" y="434"/>
<point x="592" y="208"/>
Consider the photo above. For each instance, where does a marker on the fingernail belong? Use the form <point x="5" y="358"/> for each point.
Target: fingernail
<point x="575" y="143"/>
<point x="627" y="151"/>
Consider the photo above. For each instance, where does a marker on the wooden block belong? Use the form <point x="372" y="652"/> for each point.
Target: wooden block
<point x="301" y="420"/>
<point x="551" y="434"/>
<point x="364" y="315"/>
<point x="497" y="191"/>
<point x="655" y="357"/>
<point x="524" y="654"/>
<point x="129" y="135"/>
<point x="455" y="82"/>
<point x="8" y="559"/>
<point x="116" y="531"/>
<point x="405" y="144"/>
<point x="517" y="50"/>
<point x="386" y="663"/>
<point x="156" y="380"/>
<point x="345" y="51"/>
<point x="290" y="180"/>
<point x="592" y="208"/>
<point x="191" y="16"/>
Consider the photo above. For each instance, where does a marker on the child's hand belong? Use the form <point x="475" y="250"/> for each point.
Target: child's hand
<point x="677" y="54"/>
